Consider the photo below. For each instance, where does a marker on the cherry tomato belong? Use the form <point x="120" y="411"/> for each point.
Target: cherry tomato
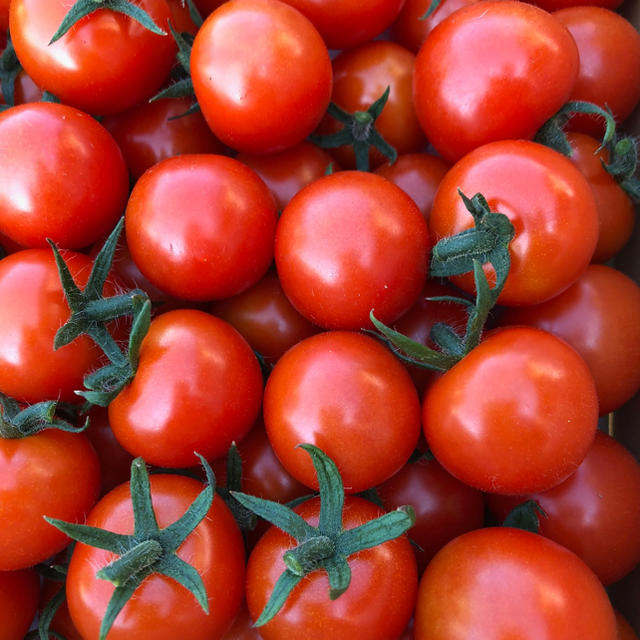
<point x="262" y="75"/>
<point x="625" y="630"/>
<point x="492" y="71"/>
<point x="242" y="627"/>
<point x="19" y="592"/>
<point x="508" y="583"/>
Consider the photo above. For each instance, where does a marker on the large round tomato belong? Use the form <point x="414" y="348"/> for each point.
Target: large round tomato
<point x="161" y="609"/>
<point x="516" y="415"/>
<point x="19" y="592"/>
<point x="262" y="75"/>
<point x="508" y="583"/>
<point x="347" y="394"/>
<point x="492" y="71"/>
<point x="377" y="605"/>
<point x="62" y="176"/>
<point x="349" y="243"/>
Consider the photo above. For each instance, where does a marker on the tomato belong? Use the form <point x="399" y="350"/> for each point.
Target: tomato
<point x="553" y="5"/>
<point x="508" y="583"/>
<point x="61" y="622"/>
<point x="19" y="592"/>
<point x="181" y="17"/>
<point x="549" y="203"/>
<point x="492" y="71"/>
<point x="105" y="64"/>
<point x="348" y="395"/>
<point x="161" y="608"/>
<point x="242" y="627"/>
<point x="4" y="15"/>
<point x="33" y="309"/>
<point x="597" y="316"/>
<point x="360" y="77"/>
<point x="201" y="226"/>
<point x="338" y="261"/>
<point x="198" y="387"/>
<point x="58" y="160"/>
<point x="146" y="134"/>
<point x="516" y="415"/>
<point x="52" y="473"/>
<point x="377" y="605"/>
<point x="625" y="631"/>
<point x="262" y="75"/>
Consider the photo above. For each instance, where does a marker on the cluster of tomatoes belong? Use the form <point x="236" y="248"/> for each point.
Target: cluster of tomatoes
<point x="303" y="297"/>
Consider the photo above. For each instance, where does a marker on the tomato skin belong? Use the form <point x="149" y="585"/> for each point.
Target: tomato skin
<point x="598" y="317"/>
<point x="349" y="243"/>
<point x="74" y="69"/>
<point x="516" y="415"/>
<point x="508" y="583"/>
<point x="161" y="608"/>
<point x="549" y="203"/>
<point x="377" y="605"/>
<point x="57" y="159"/>
<point x="19" y="591"/>
<point x="52" y="473"/>
<point x="172" y="407"/>
<point x="201" y="226"/>
<point x="478" y="76"/>
<point x="347" y="394"/>
<point x="262" y="75"/>
<point x="625" y="631"/>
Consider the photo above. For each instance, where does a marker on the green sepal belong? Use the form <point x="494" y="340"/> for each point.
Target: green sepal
<point x="525" y="516"/>
<point x="193" y="12"/>
<point x="281" y="590"/>
<point x="10" y="68"/>
<point x="183" y="573"/>
<point x="432" y="7"/>
<point x="48" y="613"/>
<point x="446" y="339"/>
<point x="623" y="164"/>
<point x="119" y="598"/>
<point x="83" y="8"/>
<point x="339" y="573"/>
<point x="47" y="96"/>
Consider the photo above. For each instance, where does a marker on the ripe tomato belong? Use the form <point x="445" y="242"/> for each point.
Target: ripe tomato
<point x="262" y="75"/>
<point x="75" y="68"/>
<point x="349" y="243"/>
<point x="377" y="605"/>
<point x="198" y="387"/>
<point x="548" y="201"/>
<point x="19" y="592"/>
<point x="516" y="415"/>
<point x="62" y="176"/>
<point x="508" y="583"/>
<point x="492" y="71"/>
<point x="201" y="226"/>
<point x="161" y="609"/>
<point x="340" y="391"/>
<point x="625" y="630"/>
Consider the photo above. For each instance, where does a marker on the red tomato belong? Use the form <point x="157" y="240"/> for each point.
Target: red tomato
<point x="377" y="605"/>
<point x="516" y="415"/>
<point x="52" y="473"/>
<point x="161" y="609"/>
<point x="598" y="317"/>
<point x="58" y="160"/>
<point x="492" y="71"/>
<point x="262" y="75"/>
<point x="242" y="627"/>
<point x="549" y="203"/>
<point x="625" y="631"/>
<point x="348" y="395"/>
<point x="19" y="592"/>
<point x="198" y="388"/>
<point x="4" y="15"/>
<point x="349" y="243"/>
<point x="75" y="68"/>
<point x="509" y="583"/>
<point x="201" y="226"/>
<point x="180" y="17"/>
<point x="553" y="5"/>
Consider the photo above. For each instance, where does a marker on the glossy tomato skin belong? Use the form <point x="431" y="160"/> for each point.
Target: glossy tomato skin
<point x="262" y="75"/>
<point x="349" y="243"/>
<point x="161" y="609"/>
<point x="19" y="592"/>
<point x="597" y="316"/>
<point x="201" y="226"/>
<point x="549" y="203"/>
<point x="478" y="75"/>
<point x="501" y="582"/>
<point x="58" y="160"/>
<point x="347" y="394"/>
<point x="516" y="415"/>
<point x="52" y="473"/>
<point x="74" y="69"/>
<point x="594" y="512"/>
<point x="377" y="605"/>
<point x="198" y="387"/>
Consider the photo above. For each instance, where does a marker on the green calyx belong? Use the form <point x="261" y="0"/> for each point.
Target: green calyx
<point x="83" y="8"/>
<point x="358" y="131"/>
<point x="525" y="516"/>
<point x="325" y="547"/>
<point x="432" y="7"/>
<point x="10" y="68"/>
<point x="149" y="549"/>
<point x="623" y="164"/>
<point x="487" y="242"/>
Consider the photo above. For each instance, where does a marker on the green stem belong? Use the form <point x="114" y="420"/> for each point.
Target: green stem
<point x="308" y="555"/>
<point x="132" y="563"/>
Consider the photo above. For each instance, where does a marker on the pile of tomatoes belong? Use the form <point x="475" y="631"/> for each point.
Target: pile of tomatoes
<point x="322" y="201"/>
